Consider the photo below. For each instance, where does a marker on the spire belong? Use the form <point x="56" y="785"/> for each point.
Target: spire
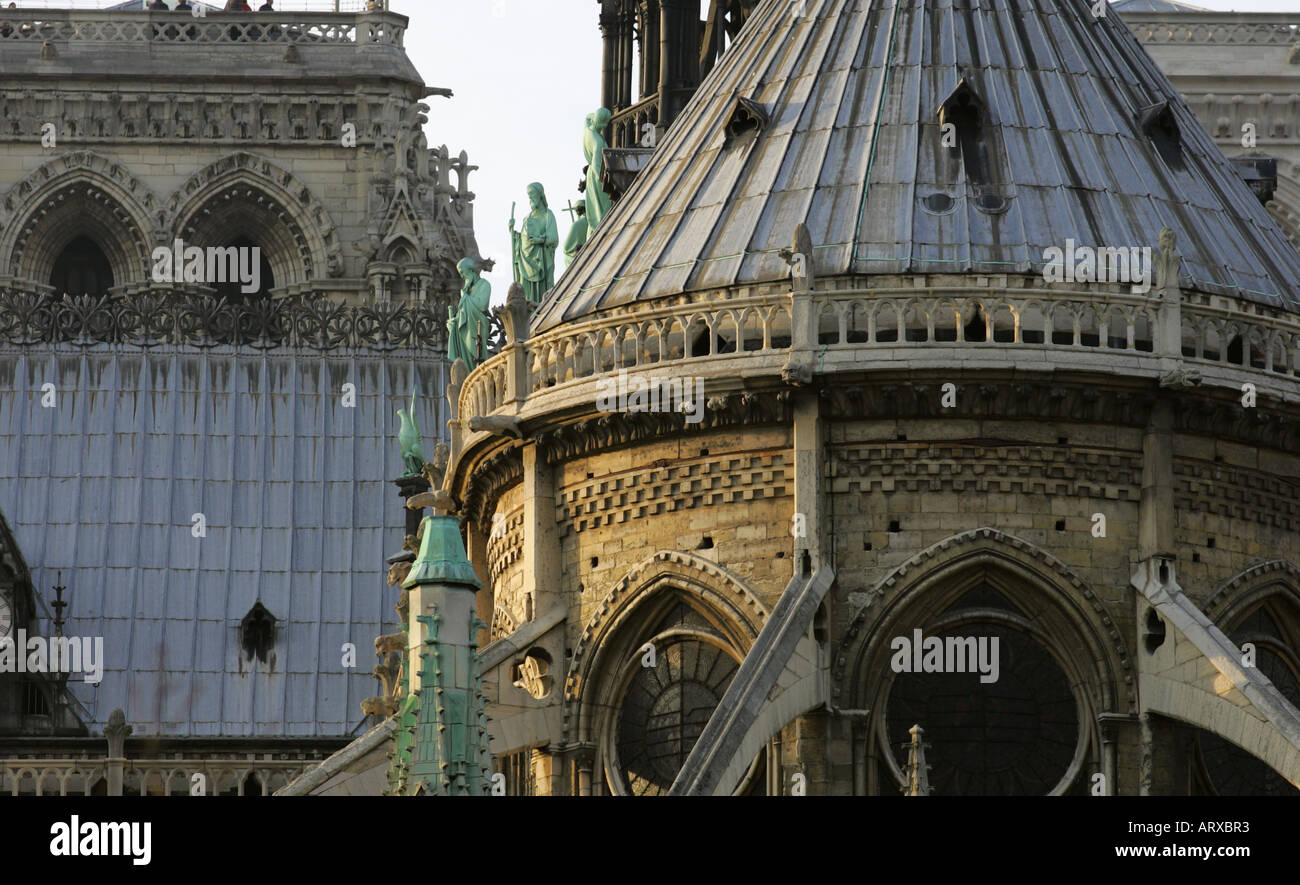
<point x="440" y="747"/>
<point x="917" y="772"/>
<point x="926" y="136"/>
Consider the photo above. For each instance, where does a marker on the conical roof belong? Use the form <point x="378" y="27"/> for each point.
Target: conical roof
<point x="1071" y="132"/>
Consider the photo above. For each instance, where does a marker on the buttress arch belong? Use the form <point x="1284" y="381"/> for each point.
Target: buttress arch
<point x="607" y="655"/>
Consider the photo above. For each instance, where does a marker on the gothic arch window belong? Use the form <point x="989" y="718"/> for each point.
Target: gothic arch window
<point x="244" y="217"/>
<point x="1035" y="729"/>
<point x="1272" y="626"/>
<point x="257" y="633"/>
<point x="675" y="685"/>
<point x="651" y="668"/>
<point x="1018" y="735"/>
<point x="79" y="222"/>
<point x="82" y="268"/>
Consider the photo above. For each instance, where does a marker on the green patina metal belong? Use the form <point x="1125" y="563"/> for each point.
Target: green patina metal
<point x="534" y="246"/>
<point x="442" y="558"/>
<point x="441" y="745"/>
<point x="469" y="328"/>
<point x="573" y="243"/>
<point x="593" y="146"/>
<point x="409" y="437"/>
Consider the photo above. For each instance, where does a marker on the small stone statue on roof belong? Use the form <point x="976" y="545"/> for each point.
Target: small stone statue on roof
<point x="469" y="328"/>
<point x="593" y="146"/>
<point x="535" y="245"/>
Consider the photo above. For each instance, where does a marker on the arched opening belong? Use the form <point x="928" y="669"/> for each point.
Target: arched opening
<point x="1014" y="736"/>
<point x="683" y="672"/>
<point x="1000" y="656"/>
<point x="247" y="215"/>
<point x="653" y="669"/>
<point x="82" y="268"/>
<point x="231" y="286"/>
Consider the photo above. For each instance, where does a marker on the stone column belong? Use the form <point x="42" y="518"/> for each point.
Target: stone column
<point x="679" y="56"/>
<point x="116" y="733"/>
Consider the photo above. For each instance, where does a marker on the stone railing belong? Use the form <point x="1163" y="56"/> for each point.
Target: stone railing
<point x="162" y="317"/>
<point x="854" y="328"/>
<point x="898" y="318"/>
<point x="144" y="777"/>
<point x="652" y="339"/>
<point x="1216" y="28"/>
<point x="1055" y="319"/>
<point x="112" y="27"/>
<point x="627" y="127"/>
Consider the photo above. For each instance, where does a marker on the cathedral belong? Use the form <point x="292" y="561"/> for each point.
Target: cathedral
<point x="919" y="419"/>
<point x="202" y="466"/>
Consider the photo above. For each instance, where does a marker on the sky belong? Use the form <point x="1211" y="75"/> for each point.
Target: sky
<point x="525" y="75"/>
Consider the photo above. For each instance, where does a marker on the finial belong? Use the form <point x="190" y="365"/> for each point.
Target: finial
<point x="917" y="772"/>
<point x="59" y="605"/>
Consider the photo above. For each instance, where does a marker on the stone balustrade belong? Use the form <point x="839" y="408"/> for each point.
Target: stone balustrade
<point x="148" y="777"/>
<point x="123" y="27"/>
<point x="1216" y="28"/>
<point x="856" y="329"/>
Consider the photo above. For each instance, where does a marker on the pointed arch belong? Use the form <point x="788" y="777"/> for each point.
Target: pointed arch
<point x="243" y="193"/>
<point x="74" y="195"/>
<point x="728" y="617"/>
<point x="1047" y="608"/>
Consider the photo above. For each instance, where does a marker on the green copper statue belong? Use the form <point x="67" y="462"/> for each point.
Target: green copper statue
<point x="534" y="246"/>
<point x="468" y="324"/>
<point x="577" y="234"/>
<point x="593" y="145"/>
<point x="409" y="437"/>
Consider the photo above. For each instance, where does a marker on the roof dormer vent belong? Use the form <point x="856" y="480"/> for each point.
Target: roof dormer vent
<point x="1160" y="125"/>
<point x="747" y="118"/>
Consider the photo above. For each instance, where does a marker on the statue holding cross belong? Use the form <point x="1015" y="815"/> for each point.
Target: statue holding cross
<point x="578" y="233"/>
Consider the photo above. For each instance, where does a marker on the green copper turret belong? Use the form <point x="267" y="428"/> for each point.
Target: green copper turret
<point x="442" y="750"/>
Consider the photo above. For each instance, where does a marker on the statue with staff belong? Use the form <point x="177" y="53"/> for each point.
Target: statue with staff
<point x="534" y="246"/>
<point x="469" y="327"/>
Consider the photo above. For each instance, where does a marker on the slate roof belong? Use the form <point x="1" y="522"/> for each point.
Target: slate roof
<point x="852" y="91"/>
<point x="301" y="516"/>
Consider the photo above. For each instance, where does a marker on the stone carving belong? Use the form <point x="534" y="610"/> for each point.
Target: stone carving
<point x="532" y="675"/>
<point x="497" y="425"/>
<point x="514" y="315"/>
<point x="116" y="732"/>
<point x="1180" y="377"/>
<point x="182" y="318"/>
